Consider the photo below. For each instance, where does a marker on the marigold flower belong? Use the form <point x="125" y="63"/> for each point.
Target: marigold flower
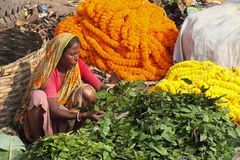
<point x="134" y="35"/>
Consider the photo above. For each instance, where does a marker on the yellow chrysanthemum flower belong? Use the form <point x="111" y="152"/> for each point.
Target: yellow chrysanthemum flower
<point x="220" y="81"/>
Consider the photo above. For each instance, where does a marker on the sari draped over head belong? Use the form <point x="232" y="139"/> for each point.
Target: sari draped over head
<point x="46" y="67"/>
<point x="40" y="76"/>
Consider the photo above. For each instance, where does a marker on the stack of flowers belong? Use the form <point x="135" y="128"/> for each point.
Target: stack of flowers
<point x="133" y="38"/>
<point x="194" y="77"/>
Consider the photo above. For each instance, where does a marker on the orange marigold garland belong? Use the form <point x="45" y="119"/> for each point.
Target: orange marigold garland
<point x="134" y="38"/>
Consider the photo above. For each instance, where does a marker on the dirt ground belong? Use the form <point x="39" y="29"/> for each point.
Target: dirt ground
<point x="60" y="7"/>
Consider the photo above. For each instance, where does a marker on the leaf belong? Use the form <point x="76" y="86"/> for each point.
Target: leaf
<point x="121" y="115"/>
<point x="186" y="80"/>
<point x="104" y="126"/>
<point x="185" y="110"/>
<point x="190" y="150"/>
<point x="213" y="149"/>
<point x="108" y="148"/>
<point x="232" y="133"/>
<point x="161" y="150"/>
<point x="102" y="95"/>
<point x="238" y="130"/>
<point x="106" y="156"/>
<point x="203" y="137"/>
<point x="109" y="98"/>
<point x="16" y="156"/>
<point x="142" y="136"/>
<point x="10" y="147"/>
<point x="156" y="137"/>
<point x="122" y="83"/>
<point x="205" y="117"/>
<point x="188" y="129"/>
<point x="168" y="136"/>
<point x="132" y="93"/>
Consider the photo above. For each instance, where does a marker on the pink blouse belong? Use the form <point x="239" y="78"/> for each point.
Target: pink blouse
<point x="54" y="83"/>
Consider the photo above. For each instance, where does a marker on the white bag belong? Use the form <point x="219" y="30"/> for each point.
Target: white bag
<point x="212" y="34"/>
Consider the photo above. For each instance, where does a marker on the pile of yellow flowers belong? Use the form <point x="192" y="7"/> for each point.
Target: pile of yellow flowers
<point x="220" y="81"/>
<point x="133" y="38"/>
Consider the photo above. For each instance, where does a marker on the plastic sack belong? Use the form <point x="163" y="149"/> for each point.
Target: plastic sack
<point x="232" y="1"/>
<point x="212" y="34"/>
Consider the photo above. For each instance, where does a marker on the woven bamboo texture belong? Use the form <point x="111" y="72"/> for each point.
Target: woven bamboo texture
<point x="14" y="79"/>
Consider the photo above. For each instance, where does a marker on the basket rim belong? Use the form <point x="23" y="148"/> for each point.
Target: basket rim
<point x="20" y="60"/>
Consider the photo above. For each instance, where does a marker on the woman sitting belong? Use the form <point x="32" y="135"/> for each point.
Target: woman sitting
<point x="57" y="88"/>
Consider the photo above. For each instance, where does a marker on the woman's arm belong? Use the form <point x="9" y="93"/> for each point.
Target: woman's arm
<point x="58" y="113"/>
<point x="102" y="86"/>
<point x="89" y="77"/>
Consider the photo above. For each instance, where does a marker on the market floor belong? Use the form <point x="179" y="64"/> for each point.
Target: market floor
<point x="61" y="7"/>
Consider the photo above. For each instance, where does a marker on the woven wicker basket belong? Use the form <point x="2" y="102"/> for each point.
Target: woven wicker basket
<point x="14" y="79"/>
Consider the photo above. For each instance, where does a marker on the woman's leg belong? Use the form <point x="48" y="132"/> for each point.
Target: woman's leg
<point x="38" y="116"/>
<point x="60" y="126"/>
<point x="35" y="121"/>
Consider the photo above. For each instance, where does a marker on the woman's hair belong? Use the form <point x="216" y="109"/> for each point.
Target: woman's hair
<point x="71" y="43"/>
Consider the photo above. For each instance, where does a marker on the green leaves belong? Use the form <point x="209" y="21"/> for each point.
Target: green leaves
<point x="69" y="146"/>
<point x="101" y="95"/>
<point x="147" y="126"/>
<point x="205" y="117"/>
<point x="170" y="137"/>
<point x="161" y="150"/>
<point x="189" y="125"/>
<point x="203" y="137"/>
<point x="104" y="126"/>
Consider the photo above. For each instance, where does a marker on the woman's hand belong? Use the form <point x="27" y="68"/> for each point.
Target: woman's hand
<point x="95" y="115"/>
<point x="112" y="82"/>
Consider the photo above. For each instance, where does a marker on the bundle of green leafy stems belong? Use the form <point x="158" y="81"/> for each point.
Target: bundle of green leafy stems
<point x="143" y="126"/>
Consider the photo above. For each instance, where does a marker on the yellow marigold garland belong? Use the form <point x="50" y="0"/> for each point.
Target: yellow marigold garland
<point x="134" y="38"/>
<point x="220" y="81"/>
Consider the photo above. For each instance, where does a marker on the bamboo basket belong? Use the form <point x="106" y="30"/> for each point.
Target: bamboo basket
<point x="14" y="79"/>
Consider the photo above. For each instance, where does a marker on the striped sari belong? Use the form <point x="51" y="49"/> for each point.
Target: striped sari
<point x="42" y="73"/>
<point x="46" y="67"/>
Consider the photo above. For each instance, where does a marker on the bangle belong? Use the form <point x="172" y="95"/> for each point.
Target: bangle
<point x="78" y="116"/>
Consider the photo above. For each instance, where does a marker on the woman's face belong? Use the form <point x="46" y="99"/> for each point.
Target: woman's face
<point x="70" y="57"/>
